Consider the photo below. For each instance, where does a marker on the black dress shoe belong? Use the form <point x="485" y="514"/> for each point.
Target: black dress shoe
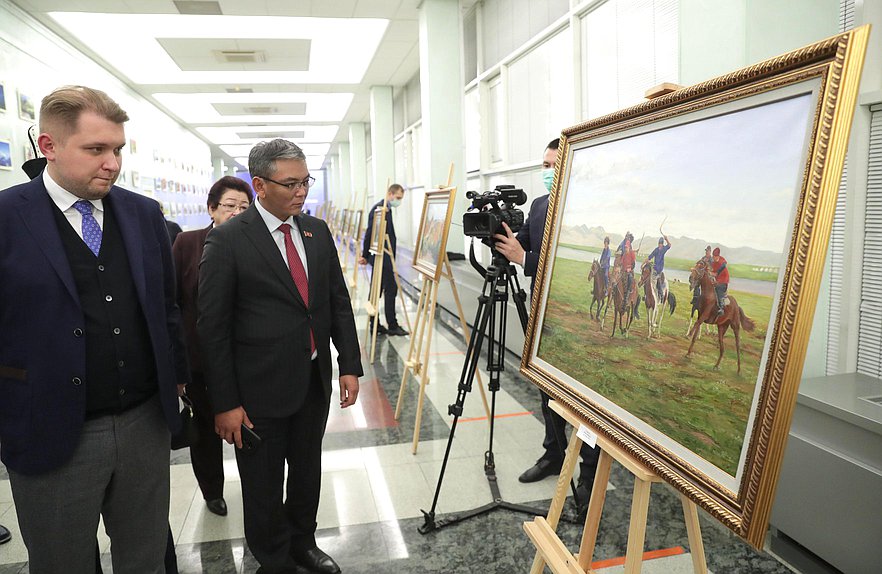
<point x="381" y="330"/>
<point x="316" y="561"/>
<point x="5" y="535"/>
<point x="397" y="330"/>
<point x="217" y="506"/>
<point x="543" y="468"/>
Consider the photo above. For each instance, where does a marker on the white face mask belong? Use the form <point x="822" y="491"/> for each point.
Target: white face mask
<point x="394" y="202"/>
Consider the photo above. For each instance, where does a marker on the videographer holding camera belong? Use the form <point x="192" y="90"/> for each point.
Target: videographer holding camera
<point x="523" y="250"/>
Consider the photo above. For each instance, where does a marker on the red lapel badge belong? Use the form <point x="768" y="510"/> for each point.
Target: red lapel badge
<point x="307" y="234"/>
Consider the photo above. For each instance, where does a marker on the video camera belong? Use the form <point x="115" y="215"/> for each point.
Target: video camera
<point x="491" y="209"/>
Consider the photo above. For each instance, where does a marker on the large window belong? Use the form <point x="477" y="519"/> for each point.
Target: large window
<point x="627" y="48"/>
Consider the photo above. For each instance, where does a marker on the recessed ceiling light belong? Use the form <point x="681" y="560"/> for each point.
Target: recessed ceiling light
<point x="130" y="43"/>
<point x="252" y="134"/>
<point x="219" y="108"/>
<point x="197" y="7"/>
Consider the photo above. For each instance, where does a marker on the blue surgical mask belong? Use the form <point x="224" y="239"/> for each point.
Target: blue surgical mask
<point x="394" y="202"/>
<point x="548" y="178"/>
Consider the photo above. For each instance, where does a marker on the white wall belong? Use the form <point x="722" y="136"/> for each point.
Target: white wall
<point x="34" y="61"/>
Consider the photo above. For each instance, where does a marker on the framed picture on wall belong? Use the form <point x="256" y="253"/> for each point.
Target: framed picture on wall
<point x="432" y="235"/>
<point x="725" y="189"/>
<point x="5" y="155"/>
<point x="2" y="98"/>
<point x="26" y="109"/>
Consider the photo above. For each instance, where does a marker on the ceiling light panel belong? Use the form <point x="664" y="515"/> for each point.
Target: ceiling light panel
<point x="131" y="44"/>
<point x="276" y="107"/>
<point x="252" y="134"/>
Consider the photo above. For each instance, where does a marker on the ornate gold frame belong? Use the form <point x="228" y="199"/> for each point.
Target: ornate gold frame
<point x="436" y="196"/>
<point x="836" y="63"/>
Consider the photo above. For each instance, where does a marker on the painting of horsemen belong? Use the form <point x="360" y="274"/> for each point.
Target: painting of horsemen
<point x="679" y="275"/>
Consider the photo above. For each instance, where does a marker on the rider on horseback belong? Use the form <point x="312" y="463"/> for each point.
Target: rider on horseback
<point x="629" y="259"/>
<point x="658" y="262"/>
<point x="604" y="265"/>
<point x="721" y="276"/>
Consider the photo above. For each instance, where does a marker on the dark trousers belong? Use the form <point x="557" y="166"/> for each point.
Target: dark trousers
<point x="207" y="454"/>
<point x="120" y="471"/>
<point x="389" y="290"/>
<point x="555" y="443"/>
<point x="275" y="529"/>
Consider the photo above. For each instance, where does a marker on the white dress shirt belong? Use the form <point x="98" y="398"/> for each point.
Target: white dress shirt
<point x="272" y="224"/>
<point x="65" y="201"/>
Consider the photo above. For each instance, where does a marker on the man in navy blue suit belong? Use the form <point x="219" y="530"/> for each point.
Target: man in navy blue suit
<point x="91" y="357"/>
<point x="523" y="250"/>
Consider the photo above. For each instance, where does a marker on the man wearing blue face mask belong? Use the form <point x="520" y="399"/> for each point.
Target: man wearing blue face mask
<point x="524" y="250"/>
<point x="389" y="288"/>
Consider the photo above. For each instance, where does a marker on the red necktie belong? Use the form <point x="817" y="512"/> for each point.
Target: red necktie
<point x="298" y="273"/>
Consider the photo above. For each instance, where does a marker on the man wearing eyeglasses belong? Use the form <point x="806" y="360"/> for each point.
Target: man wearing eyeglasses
<point x="389" y="287"/>
<point x="271" y="299"/>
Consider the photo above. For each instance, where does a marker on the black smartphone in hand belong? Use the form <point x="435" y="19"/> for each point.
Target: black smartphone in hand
<point x="250" y="439"/>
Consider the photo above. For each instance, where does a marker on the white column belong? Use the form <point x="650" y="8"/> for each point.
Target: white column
<point x="357" y="161"/>
<point x="383" y="161"/>
<point x="442" y="103"/>
<point x="332" y="185"/>
<point x="344" y="171"/>
<point x="217" y="168"/>
<point x="382" y="146"/>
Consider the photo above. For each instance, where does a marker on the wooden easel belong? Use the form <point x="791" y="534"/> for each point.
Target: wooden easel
<point x="356" y="240"/>
<point x="373" y="302"/>
<point x="421" y="341"/>
<point x="552" y="552"/>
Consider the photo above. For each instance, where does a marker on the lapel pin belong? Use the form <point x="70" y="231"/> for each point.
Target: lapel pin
<point x="307" y="234"/>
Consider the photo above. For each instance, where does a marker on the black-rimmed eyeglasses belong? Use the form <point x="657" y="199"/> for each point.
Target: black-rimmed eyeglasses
<point x="291" y="186"/>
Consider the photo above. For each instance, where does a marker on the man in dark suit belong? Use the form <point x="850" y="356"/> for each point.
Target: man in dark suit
<point x="389" y="287"/>
<point x="271" y="299"/>
<point x="523" y="250"/>
<point x="90" y="349"/>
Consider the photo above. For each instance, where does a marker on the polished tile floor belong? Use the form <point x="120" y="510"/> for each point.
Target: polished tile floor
<point x="374" y="487"/>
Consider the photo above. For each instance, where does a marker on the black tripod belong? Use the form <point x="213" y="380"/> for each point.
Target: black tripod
<point x="500" y="278"/>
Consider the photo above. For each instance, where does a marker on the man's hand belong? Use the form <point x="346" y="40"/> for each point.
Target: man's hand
<point x="181" y="389"/>
<point x="348" y="390"/>
<point x="362" y="261"/>
<point x="509" y="246"/>
<point x="228" y="425"/>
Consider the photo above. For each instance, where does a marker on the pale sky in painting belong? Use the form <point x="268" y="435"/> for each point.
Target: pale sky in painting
<point x="730" y="179"/>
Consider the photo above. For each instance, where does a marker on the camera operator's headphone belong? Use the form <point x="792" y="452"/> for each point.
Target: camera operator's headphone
<point x="34" y="167"/>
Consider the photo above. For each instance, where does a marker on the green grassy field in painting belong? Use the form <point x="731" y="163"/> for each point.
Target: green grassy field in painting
<point x="685" y="398"/>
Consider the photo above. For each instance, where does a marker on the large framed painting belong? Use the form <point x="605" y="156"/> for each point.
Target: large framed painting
<point x="708" y="208"/>
<point x="432" y="235"/>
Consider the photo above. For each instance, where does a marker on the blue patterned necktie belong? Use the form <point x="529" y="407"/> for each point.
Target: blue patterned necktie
<point x="91" y="229"/>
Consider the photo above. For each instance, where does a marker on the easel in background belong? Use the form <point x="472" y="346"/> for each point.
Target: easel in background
<point x="356" y="240"/>
<point x="417" y="360"/>
<point x="349" y="238"/>
<point x="380" y="246"/>
<point x="551" y="551"/>
<point x="340" y="229"/>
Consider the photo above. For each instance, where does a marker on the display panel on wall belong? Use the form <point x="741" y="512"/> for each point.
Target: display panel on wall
<point x="432" y="236"/>
<point x="747" y="164"/>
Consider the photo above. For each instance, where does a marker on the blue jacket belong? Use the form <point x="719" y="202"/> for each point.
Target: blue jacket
<point x="42" y="347"/>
